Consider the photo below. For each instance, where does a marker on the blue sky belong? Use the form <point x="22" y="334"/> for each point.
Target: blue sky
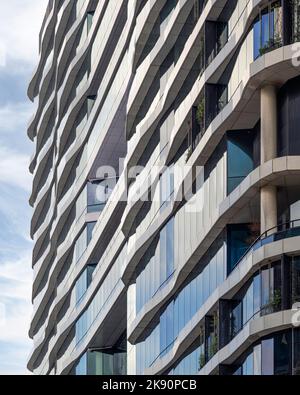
<point x="20" y="22"/>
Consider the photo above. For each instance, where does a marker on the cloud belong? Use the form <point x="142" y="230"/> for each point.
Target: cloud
<point x="12" y="359"/>
<point x="15" y="291"/>
<point x="15" y="314"/>
<point x="2" y="54"/>
<point x="20" y="21"/>
<point x="9" y="122"/>
<point x="12" y="165"/>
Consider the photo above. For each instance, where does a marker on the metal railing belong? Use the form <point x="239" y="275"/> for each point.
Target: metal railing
<point x="286" y="230"/>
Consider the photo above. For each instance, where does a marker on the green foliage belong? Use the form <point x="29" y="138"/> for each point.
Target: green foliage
<point x="201" y="361"/>
<point x="276" y="300"/>
<point x="200" y="113"/>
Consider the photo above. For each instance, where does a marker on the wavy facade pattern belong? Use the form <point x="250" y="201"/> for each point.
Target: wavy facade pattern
<point x="166" y="188"/>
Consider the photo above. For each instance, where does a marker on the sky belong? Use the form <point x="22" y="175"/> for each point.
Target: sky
<point x="20" y="22"/>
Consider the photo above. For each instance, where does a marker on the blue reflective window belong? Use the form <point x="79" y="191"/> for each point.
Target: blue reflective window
<point x="199" y="292"/>
<point x="248" y="366"/>
<point x="187" y="304"/>
<point x="84" y="282"/>
<point x="176" y="318"/>
<point x="97" y="196"/>
<point x="256" y="38"/>
<point x="267" y="29"/>
<point x="170" y="325"/>
<point x="250" y="297"/>
<point x="81" y="367"/>
<point x="236" y="322"/>
<point x="205" y="283"/>
<point x="163" y="332"/>
<point x="159" y="266"/>
<point x="194" y="304"/>
<point x="265" y="32"/>
<point x="240" y="238"/>
<point x="213" y="275"/>
<point x="166" y="187"/>
<point x="239" y="158"/>
<point x="163" y="255"/>
<point x="170" y="248"/>
<point x="256" y="294"/>
<point x="181" y="311"/>
<point x="267" y="357"/>
<point x="265" y="288"/>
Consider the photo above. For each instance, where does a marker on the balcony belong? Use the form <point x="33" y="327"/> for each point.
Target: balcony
<point x="281" y="232"/>
<point x="106" y="362"/>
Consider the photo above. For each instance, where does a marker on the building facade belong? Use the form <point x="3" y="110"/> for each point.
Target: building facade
<point x="166" y="188"/>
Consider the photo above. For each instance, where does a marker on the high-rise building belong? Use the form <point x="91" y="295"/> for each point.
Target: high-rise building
<point x="166" y="189"/>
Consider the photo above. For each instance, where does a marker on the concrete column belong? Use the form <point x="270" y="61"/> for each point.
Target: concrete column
<point x="268" y="208"/>
<point x="268" y="123"/>
<point x="268" y="151"/>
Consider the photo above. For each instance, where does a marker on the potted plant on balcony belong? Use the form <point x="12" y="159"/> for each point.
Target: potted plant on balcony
<point x="213" y="348"/>
<point x="201" y="360"/>
<point x="276" y="300"/>
<point x="274" y="303"/>
<point x="200" y="113"/>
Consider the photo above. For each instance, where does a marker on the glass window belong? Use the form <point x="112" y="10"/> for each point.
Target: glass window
<point x="176" y="318"/>
<point x="238" y="372"/>
<point x="276" y="24"/>
<point x="81" y="286"/>
<point x="267" y="29"/>
<point x="212" y="335"/>
<point x="265" y="34"/>
<point x="248" y="366"/>
<point x="166" y="187"/>
<point x="84" y="282"/>
<point x="205" y="283"/>
<point x="282" y="354"/>
<point x="170" y="325"/>
<point x="256" y="38"/>
<point x="163" y="255"/>
<point x="239" y="158"/>
<point x="296" y="279"/>
<point x="90" y="104"/>
<point x="213" y="275"/>
<point x="199" y="291"/>
<point x="170" y="247"/>
<point x="81" y="368"/>
<point x="250" y="302"/>
<point x="90" y="227"/>
<point x="167" y="251"/>
<point x="89" y="17"/>
<point x="296" y="358"/>
<point x="98" y="193"/>
<point x="240" y="238"/>
<point x="187" y="302"/>
<point x="236" y="323"/>
<point x="265" y="291"/>
<point x="220" y="266"/>
<point x="194" y="297"/>
<point x="256" y="294"/>
<point x="181" y="310"/>
<point x="267" y="357"/>
<point x="202" y="348"/>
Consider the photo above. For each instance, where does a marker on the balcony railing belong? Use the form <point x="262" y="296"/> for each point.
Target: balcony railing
<point x="287" y="230"/>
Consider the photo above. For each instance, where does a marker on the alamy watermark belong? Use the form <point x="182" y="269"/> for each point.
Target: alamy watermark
<point x="159" y="184"/>
<point x="296" y="315"/>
